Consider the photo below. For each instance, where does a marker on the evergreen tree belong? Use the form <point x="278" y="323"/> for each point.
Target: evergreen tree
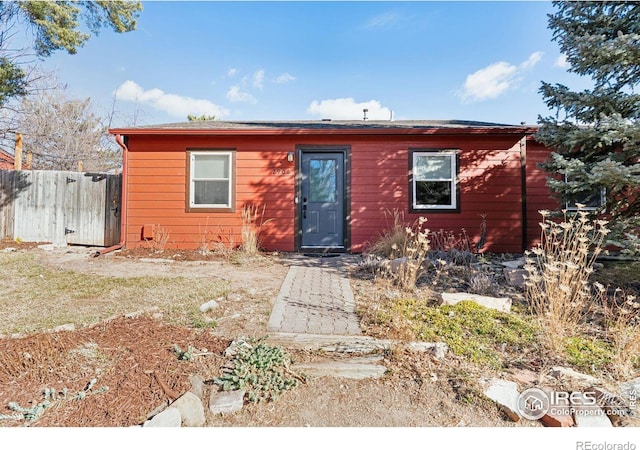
<point x="51" y="26"/>
<point x="595" y="133"/>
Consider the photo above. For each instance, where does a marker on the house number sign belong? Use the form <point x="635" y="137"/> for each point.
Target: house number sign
<point x="281" y="172"/>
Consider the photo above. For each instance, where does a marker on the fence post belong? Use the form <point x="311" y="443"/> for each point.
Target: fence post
<point x="17" y="163"/>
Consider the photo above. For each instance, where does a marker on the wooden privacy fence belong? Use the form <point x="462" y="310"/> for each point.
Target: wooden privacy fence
<point x="60" y="207"/>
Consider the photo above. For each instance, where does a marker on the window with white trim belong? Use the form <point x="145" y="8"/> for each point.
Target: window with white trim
<point x="433" y="180"/>
<point x="211" y="180"/>
<point x="591" y="200"/>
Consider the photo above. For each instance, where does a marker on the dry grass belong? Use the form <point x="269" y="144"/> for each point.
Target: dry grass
<point x="252" y="223"/>
<point x="161" y="237"/>
<point x="33" y="297"/>
<point x="557" y="286"/>
<point x="622" y="328"/>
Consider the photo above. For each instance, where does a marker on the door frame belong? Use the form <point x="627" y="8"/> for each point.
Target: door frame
<point x="346" y="204"/>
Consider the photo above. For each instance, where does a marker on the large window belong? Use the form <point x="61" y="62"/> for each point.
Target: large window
<point x="591" y="200"/>
<point x="433" y="180"/>
<point x="211" y="180"/>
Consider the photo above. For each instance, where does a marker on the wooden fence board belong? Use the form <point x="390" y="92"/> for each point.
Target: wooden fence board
<point x="60" y="207"/>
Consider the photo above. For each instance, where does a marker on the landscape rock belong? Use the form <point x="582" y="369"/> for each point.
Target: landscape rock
<point x="558" y="372"/>
<point x="630" y="391"/>
<point x="505" y="394"/>
<point x="170" y="417"/>
<point x="64" y="327"/>
<point x="525" y="378"/>
<point x="613" y="405"/>
<point x="586" y="414"/>
<point x="211" y="304"/>
<point x="191" y="410"/>
<point x="515" y="264"/>
<point x="515" y="277"/>
<point x="557" y="420"/>
<point x="197" y="386"/>
<point x="354" y="368"/>
<point x="8" y="250"/>
<point x="398" y="264"/>
<point x="226" y="402"/>
<point x="437" y="349"/>
<point x="502" y="304"/>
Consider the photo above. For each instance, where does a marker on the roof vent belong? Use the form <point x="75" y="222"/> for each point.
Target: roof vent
<point x="365" y="110"/>
<point x="326" y="120"/>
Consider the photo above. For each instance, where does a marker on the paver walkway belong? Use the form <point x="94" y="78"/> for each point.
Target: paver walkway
<point x="315" y="298"/>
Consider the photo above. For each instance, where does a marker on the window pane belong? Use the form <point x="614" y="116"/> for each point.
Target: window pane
<point x="433" y="193"/>
<point x="432" y="167"/>
<point x="211" y="193"/>
<point x="322" y="180"/>
<point x="590" y="199"/>
<point x="211" y="166"/>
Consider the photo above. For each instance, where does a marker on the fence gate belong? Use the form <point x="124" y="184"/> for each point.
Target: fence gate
<point x="60" y="207"/>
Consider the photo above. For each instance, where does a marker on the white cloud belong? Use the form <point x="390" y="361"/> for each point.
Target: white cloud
<point x="382" y="20"/>
<point x="532" y="61"/>
<point x="284" y="78"/>
<point x="172" y="104"/>
<point x="234" y="94"/>
<point x="232" y="72"/>
<point x="258" y="79"/>
<point x="562" y="62"/>
<point x="495" y="79"/>
<point x="348" y="109"/>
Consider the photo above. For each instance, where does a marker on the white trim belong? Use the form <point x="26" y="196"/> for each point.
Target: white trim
<point x="452" y="180"/>
<point x="192" y="165"/>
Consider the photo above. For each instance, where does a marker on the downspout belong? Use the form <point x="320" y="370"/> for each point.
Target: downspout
<point x="123" y="202"/>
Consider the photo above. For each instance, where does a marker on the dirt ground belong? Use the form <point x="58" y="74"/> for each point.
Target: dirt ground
<point x="132" y="367"/>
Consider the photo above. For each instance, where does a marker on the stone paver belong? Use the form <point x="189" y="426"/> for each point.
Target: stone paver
<point x="315" y="298"/>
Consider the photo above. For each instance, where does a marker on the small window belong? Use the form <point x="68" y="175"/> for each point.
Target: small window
<point x="433" y="180"/>
<point x="211" y="180"/>
<point x="591" y="199"/>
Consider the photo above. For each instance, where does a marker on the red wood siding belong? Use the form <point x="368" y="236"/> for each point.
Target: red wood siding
<point x="157" y="181"/>
<point x="538" y="195"/>
<point x="490" y="182"/>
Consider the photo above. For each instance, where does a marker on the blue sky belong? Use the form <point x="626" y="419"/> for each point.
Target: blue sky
<point x="310" y="60"/>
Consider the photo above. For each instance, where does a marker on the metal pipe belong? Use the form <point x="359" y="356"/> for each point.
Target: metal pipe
<point x="123" y="201"/>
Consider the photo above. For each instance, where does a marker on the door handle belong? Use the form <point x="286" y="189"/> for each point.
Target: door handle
<point x="304" y="211"/>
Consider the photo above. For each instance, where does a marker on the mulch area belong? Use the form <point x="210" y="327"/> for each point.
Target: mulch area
<point x="132" y="360"/>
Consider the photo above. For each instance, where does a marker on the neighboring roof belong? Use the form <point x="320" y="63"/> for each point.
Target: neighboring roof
<point x="326" y="127"/>
<point x="6" y="160"/>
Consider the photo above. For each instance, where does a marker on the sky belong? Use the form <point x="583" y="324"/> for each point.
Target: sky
<point x="240" y="60"/>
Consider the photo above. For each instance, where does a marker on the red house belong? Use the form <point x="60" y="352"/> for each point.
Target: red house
<point x="6" y="161"/>
<point x="326" y="185"/>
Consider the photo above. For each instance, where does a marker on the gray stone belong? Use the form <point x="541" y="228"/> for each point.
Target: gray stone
<point x="515" y="264"/>
<point x="558" y="372"/>
<point x="437" y="349"/>
<point x="613" y="405"/>
<point x="515" y="277"/>
<point x="355" y="368"/>
<point x="211" y="304"/>
<point x="65" y="327"/>
<point x="191" y="410"/>
<point x="586" y="414"/>
<point x="226" y="402"/>
<point x="8" y="250"/>
<point x="398" y="264"/>
<point x="197" y="386"/>
<point x="630" y="391"/>
<point x="505" y="394"/>
<point x="502" y="304"/>
<point x="170" y="417"/>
